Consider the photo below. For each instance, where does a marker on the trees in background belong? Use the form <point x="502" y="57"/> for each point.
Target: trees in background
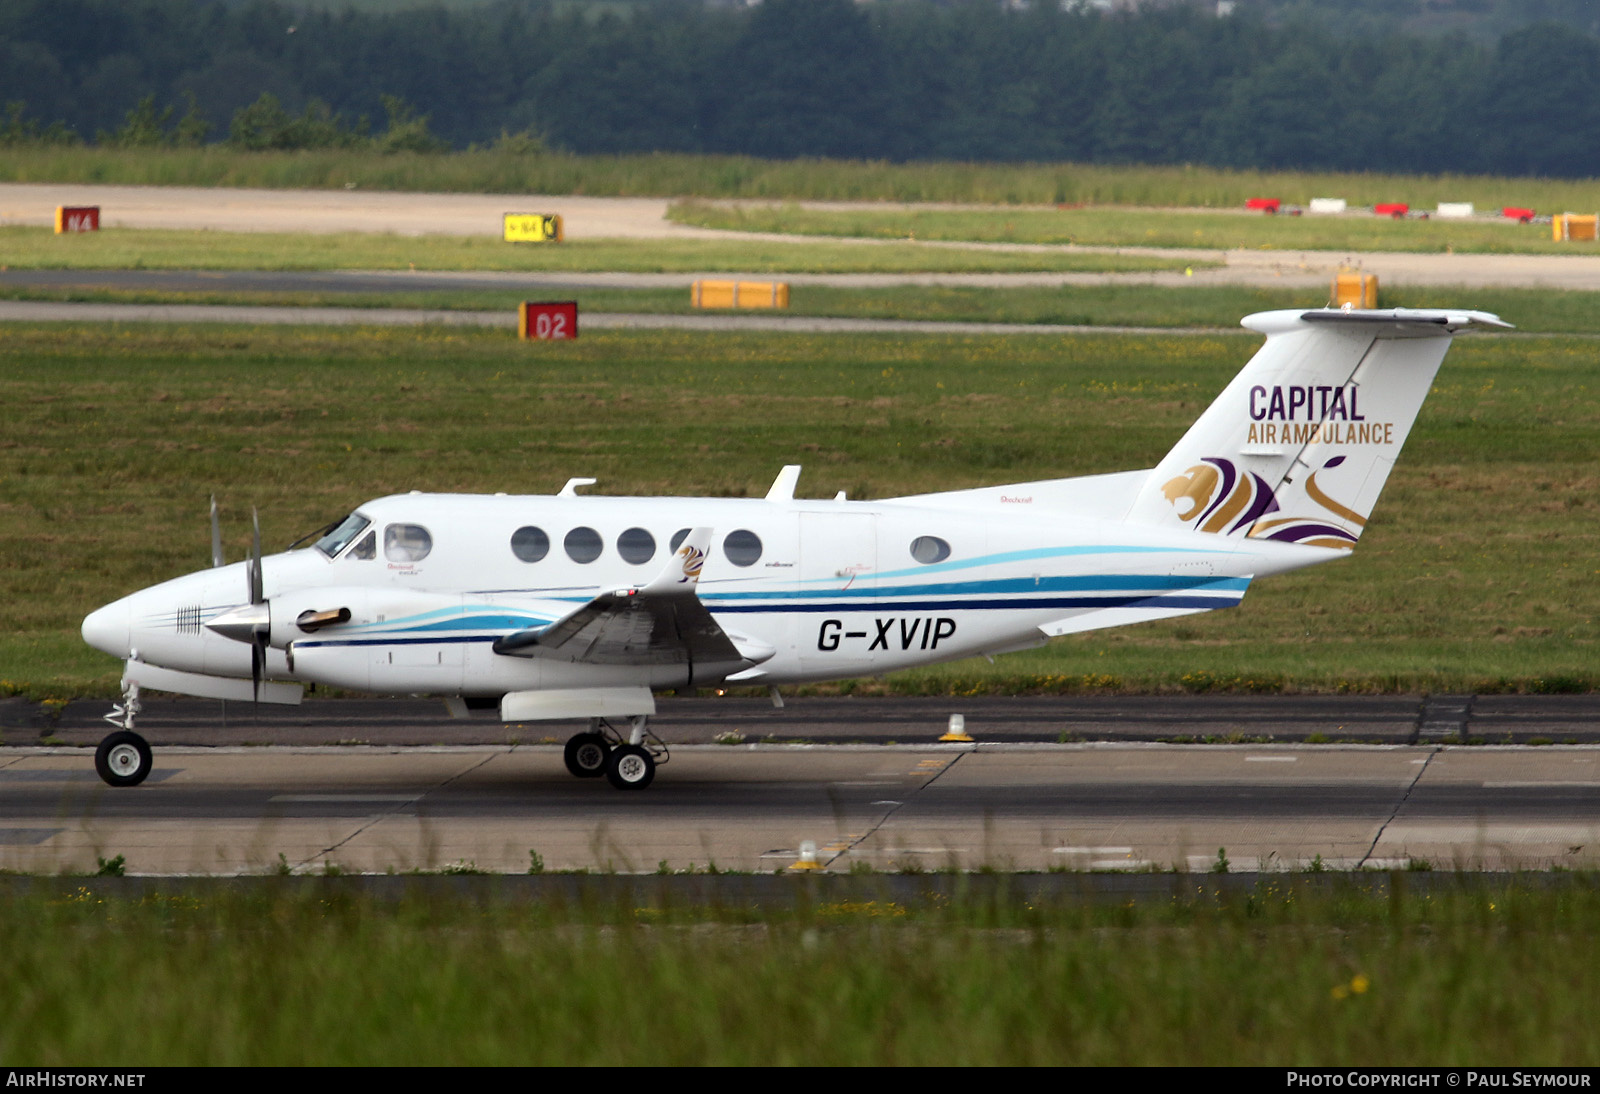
<point x="902" y="80"/>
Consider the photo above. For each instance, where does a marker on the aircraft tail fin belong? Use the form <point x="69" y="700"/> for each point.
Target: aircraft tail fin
<point x="1299" y="445"/>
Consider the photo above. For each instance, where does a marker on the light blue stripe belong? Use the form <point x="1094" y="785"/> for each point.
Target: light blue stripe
<point x="1033" y="553"/>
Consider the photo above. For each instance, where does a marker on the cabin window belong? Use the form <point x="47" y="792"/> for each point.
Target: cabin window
<point x="929" y="549"/>
<point x="636" y="546"/>
<point x="677" y="539"/>
<point x="366" y="549"/>
<point x="406" y="543"/>
<point x="530" y="544"/>
<point x="583" y="545"/>
<point x="348" y="529"/>
<point x="742" y="548"/>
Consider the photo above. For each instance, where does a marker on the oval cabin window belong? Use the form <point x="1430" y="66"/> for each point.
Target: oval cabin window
<point x="636" y="546"/>
<point x="583" y="545"/>
<point x="929" y="549"/>
<point x="406" y="543"/>
<point x="530" y="544"/>
<point x="742" y="548"/>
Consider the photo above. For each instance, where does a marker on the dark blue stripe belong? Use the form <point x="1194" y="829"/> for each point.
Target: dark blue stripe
<point x="1152" y="601"/>
<point x="303" y="644"/>
<point x="1094" y="582"/>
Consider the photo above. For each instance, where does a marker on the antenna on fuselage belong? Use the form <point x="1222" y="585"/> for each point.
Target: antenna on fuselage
<point x="571" y="489"/>
<point x="783" y="486"/>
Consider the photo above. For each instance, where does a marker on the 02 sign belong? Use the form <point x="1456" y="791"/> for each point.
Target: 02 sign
<point x="547" y="321"/>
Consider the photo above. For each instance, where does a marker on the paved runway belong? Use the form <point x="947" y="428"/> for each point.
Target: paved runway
<point x="751" y="808"/>
<point x="1057" y="719"/>
<point x="415" y="794"/>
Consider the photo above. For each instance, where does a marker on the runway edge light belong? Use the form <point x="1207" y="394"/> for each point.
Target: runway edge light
<point x="808" y="857"/>
<point x="957" y="730"/>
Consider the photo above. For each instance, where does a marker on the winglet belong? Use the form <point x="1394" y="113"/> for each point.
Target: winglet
<point x="682" y="571"/>
<point x="783" y="486"/>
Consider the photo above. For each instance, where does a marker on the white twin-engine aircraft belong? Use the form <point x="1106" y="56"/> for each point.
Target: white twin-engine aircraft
<point x="576" y="607"/>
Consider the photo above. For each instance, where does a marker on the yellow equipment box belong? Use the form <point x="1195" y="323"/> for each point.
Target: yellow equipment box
<point x="1359" y="290"/>
<point x="741" y="294"/>
<point x="533" y="228"/>
<point x="1576" y="226"/>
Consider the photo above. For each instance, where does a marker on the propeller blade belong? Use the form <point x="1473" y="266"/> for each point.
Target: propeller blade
<point x="216" y="535"/>
<point x="255" y="559"/>
<point x="258" y="661"/>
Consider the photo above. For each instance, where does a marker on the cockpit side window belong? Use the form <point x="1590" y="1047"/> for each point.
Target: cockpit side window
<point x="348" y="529"/>
<point x="367" y="548"/>
<point x="406" y="543"/>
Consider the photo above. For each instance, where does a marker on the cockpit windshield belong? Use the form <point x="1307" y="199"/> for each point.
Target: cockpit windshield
<point x="346" y="530"/>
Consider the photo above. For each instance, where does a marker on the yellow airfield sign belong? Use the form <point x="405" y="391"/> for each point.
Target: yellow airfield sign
<point x="533" y="228"/>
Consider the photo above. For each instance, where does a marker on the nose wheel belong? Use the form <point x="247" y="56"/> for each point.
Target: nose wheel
<point x="123" y="759"/>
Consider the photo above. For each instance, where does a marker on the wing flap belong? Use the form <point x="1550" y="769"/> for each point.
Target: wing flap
<point x="661" y="623"/>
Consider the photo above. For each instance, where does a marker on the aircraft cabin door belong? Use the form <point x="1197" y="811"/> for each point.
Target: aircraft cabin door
<point x="839" y="564"/>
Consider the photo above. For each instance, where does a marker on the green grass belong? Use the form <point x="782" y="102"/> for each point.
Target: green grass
<point x="1476" y="573"/>
<point x="672" y="175"/>
<point x="32" y="248"/>
<point x="1293" y="971"/>
<point x="1130" y="227"/>
<point x="1531" y="310"/>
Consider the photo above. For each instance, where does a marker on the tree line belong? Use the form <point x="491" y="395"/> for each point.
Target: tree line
<point x="908" y="80"/>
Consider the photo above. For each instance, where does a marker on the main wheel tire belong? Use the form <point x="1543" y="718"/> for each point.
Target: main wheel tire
<point x="586" y="755"/>
<point x="630" y="767"/>
<point x="123" y="759"/>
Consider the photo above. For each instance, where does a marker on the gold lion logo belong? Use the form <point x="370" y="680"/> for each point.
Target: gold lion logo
<point x="1195" y="486"/>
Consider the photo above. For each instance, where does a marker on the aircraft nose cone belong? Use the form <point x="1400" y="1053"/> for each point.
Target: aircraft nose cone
<point x="107" y="629"/>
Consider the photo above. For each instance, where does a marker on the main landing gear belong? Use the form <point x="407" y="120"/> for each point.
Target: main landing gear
<point x="123" y="758"/>
<point x="627" y="764"/>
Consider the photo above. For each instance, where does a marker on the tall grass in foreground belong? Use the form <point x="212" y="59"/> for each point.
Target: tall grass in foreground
<point x="1290" y="971"/>
<point x="678" y="175"/>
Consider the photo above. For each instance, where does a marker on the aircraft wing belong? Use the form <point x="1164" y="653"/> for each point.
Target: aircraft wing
<point x="661" y="623"/>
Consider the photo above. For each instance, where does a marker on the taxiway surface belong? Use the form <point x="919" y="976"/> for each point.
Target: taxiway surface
<point x="243" y="210"/>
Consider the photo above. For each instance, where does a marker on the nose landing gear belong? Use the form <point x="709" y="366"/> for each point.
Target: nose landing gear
<point x="124" y="758"/>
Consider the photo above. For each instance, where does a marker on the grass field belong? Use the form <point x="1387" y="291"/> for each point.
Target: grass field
<point x="1476" y="573"/>
<point x="1531" y="310"/>
<point x="672" y="175"/>
<point x="32" y="248"/>
<point x="1299" y="970"/>
<point x="1118" y="226"/>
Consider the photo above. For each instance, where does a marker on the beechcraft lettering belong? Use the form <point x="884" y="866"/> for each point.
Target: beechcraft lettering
<point x="574" y="607"/>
